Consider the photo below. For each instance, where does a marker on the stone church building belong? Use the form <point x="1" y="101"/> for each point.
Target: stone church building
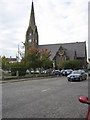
<point x="59" y="52"/>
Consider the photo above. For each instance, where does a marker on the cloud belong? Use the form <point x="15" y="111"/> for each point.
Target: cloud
<point x="63" y="22"/>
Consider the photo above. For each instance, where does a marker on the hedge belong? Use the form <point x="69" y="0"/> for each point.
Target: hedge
<point x="18" y="67"/>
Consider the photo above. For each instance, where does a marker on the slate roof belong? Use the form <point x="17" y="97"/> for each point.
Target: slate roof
<point x="69" y="47"/>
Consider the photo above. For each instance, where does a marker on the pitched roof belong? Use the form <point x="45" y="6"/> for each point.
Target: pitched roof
<point x="79" y="47"/>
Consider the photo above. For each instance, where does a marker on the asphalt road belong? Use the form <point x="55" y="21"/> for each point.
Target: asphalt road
<point x="44" y="98"/>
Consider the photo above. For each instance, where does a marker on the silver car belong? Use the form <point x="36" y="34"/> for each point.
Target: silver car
<point x="77" y="75"/>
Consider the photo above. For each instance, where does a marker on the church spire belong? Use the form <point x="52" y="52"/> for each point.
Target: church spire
<point x="32" y="32"/>
<point x="32" y="16"/>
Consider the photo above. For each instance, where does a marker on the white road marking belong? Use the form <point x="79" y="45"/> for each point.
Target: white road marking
<point x="45" y="90"/>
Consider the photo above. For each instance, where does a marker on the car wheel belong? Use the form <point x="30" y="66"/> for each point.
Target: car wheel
<point x="85" y="78"/>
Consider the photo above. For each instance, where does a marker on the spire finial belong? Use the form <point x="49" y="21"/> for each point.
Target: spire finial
<point x="32" y="17"/>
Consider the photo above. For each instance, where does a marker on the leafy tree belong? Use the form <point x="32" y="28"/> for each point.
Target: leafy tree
<point x="32" y="58"/>
<point x="5" y="63"/>
<point x="35" y="58"/>
<point x="45" y="59"/>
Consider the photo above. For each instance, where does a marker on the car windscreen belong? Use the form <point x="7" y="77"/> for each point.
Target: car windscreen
<point x="76" y="72"/>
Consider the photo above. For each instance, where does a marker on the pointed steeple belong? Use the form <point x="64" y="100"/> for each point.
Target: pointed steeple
<point x="32" y="32"/>
<point x="32" y="16"/>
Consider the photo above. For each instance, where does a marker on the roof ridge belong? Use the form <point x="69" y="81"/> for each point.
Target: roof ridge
<point x="62" y="43"/>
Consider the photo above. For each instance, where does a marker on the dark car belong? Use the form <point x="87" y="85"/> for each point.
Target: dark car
<point x="77" y="75"/>
<point x="85" y="100"/>
<point x="56" y="72"/>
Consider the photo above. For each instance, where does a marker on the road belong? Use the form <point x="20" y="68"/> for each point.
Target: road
<point x="44" y="98"/>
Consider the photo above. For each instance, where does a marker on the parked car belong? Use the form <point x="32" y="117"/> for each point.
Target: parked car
<point x="77" y="75"/>
<point x="85" y="100"/>
<point x="34" y="72"/>
<point x="48" y="71"/>
<point x="62" y="72"/>
<point x="68" y="71"/>
<point x="43" y="72"/>
<point x="56" y="72"/>
<point x="37" y="72"/>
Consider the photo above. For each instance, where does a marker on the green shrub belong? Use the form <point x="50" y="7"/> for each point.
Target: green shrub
<point x="73" y="64"/>
<point x="18" y="67"/>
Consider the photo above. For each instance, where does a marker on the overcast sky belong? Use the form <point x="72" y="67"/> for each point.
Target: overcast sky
<point x="58" y="21"/>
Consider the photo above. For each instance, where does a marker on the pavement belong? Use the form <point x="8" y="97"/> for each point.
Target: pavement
<point x="24" y="79"/>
